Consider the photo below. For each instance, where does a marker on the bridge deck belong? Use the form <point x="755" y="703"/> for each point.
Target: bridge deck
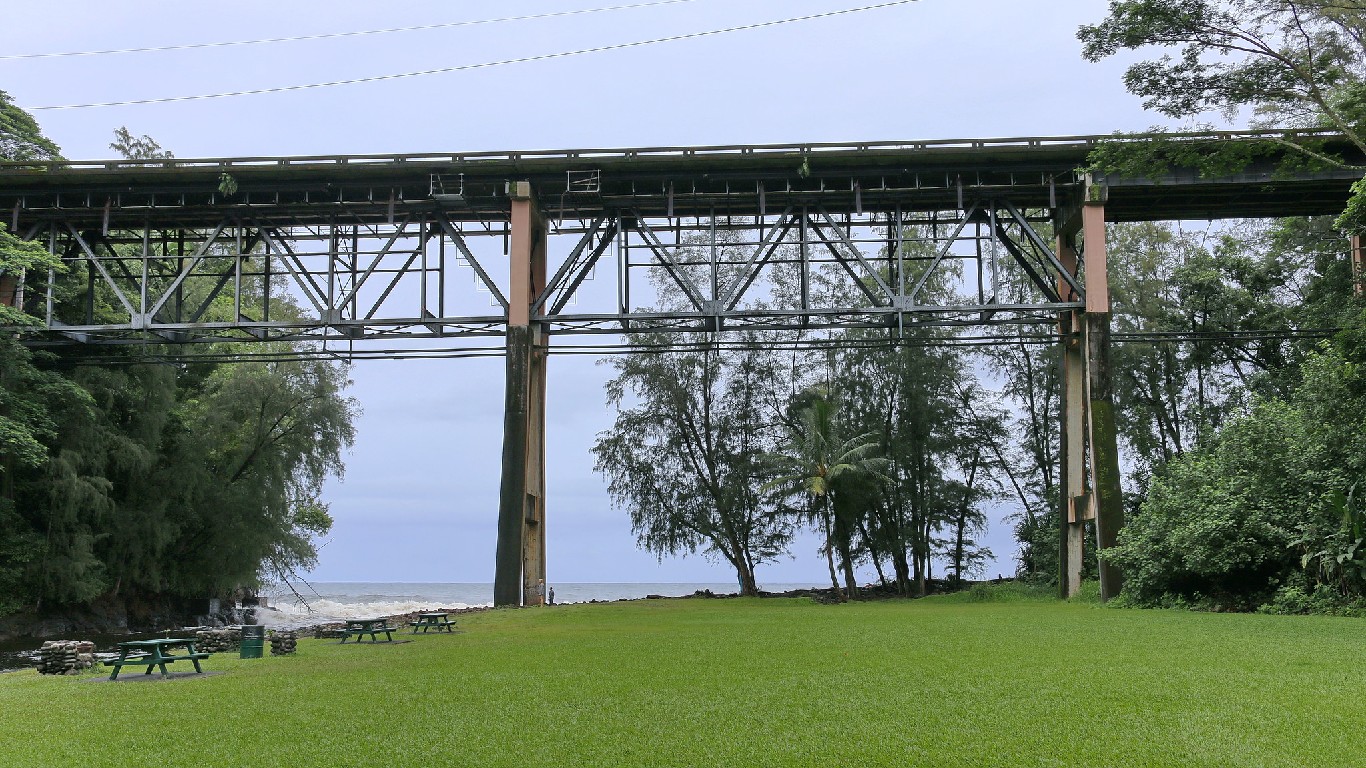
<point x="734" y="180"/>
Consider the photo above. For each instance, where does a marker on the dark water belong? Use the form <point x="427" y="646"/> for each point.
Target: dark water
<point x="22" y="653"/>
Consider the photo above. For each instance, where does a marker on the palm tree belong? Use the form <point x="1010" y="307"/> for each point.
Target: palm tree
<point x="812" y="459"/>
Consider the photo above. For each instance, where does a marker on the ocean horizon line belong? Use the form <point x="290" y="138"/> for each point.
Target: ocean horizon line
<point x="325" y="601"/>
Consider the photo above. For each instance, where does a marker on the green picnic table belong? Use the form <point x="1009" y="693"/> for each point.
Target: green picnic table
<point x="371" y="627"/>
<point x="155" y="653"/>
<point x="434" y="620"/>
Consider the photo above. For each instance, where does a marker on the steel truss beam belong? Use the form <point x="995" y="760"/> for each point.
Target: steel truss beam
<point x="257" y="279"/>
<point x="272" y="278"/>
<point x="716" y="276"/>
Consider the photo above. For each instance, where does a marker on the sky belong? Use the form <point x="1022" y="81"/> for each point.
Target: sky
<point x="420" y="497"/>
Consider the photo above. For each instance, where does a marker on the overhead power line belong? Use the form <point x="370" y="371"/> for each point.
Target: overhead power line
<point x="483" y="65"/>
<point x="306" y="351"/>
<point x="333" y="35"/>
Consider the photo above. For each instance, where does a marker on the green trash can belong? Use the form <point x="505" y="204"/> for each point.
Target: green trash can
<point x="253" y="641"/>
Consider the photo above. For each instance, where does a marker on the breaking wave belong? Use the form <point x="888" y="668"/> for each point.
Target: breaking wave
<point x="286" y="615"/>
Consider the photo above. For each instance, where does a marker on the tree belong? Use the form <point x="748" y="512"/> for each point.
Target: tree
<point x="978" y="456"/>
<point x="266" y="435"/>
<point x="1292" y="63"/>
<point x="1265" y="504"/>
<point x="1298" y="63"/>
<point x="684" y="454"/>
<point x="693" y="423"/>
<point x="126" y="480"/>
<point x="138" y="148"/>
<point x="34" y="405"/>
<point x="20" y="137"/>
<point x="1028" y="456"/>
<point x="812" y="461"/>
<point x="937" y="464"/>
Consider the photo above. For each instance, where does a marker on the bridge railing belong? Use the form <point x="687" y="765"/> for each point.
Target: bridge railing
<point x="39" y="166"/>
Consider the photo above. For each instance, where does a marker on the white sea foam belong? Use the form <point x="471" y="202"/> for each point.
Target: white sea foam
<point x="321" y="611"/>
<point x="336" y="601"/>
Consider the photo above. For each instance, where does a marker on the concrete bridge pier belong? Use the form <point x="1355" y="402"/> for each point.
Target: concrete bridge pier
<point x="519" y="572"/>
<point x="1089" y="456"/>
<point x="1102" y="435"/>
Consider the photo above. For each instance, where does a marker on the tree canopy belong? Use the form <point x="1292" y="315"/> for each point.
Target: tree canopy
<point x="20" y="136"/>
<point x="127" y="480"/>
<point x="1293" y="63"/>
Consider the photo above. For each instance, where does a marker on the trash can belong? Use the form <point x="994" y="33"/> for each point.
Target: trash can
<point x="253" y="641"/>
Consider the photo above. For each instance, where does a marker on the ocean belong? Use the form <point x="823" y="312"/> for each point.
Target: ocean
<point x="322" y="602"/>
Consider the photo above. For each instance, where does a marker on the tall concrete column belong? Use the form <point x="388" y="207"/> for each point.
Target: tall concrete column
<point x="1073" y="501"/>
<point x="1106" y="502"/>
<point x="520" y="561"/>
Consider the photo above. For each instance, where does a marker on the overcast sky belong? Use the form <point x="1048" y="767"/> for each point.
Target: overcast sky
<point x="419" y="501"/>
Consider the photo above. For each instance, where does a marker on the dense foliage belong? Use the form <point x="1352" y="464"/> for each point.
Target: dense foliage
<point x="1246" y="439"/>
<point x="138" y="482"/>
<point x="1270" y="504"/>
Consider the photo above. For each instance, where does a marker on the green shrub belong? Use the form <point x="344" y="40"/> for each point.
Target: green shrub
<point x="1089" y="592"/>
<point x="1294" y="600"/>
<point x="1007" y="592"/>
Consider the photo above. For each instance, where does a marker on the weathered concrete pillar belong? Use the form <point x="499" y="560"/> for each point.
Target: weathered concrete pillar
<point x="520" y="561"/>
<point x="1102" y="436"/>
<point x="1072" y="497"/>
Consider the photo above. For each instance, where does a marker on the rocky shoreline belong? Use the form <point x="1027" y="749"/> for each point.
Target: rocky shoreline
<point x="331" y="629"/>
<point x="118" y="617"/>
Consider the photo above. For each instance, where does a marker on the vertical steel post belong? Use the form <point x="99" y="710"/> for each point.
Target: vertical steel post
<point x="1102" y="442"/>
<point x="806" y="267"/>
<point x="520" y="560"/>
<point x="146" y="257"/>
<point x="1072" y="498"/>
<point x="1358" y="254"/>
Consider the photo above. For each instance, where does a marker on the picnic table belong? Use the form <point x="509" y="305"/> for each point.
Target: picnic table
<point x="435" y="620"/>
<point x="155" y="653"/>
<point x="371" y="627"/>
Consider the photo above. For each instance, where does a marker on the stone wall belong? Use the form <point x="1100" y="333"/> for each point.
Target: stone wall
<point x="65" y="657"/>
<point x="283" y="642"/>
<point x="218" y="640"/>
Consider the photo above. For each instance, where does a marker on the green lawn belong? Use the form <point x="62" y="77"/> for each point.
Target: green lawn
<point x="937" y="682"/>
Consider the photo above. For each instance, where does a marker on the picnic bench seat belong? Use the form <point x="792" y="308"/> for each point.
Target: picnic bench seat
<point x="150" y="661"/>
<point x="372" y="630"/>
<point x="424" y="625"/>
<point x="159" y="655"/>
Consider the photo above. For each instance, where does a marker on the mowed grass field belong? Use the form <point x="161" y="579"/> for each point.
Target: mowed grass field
<point x="935" y="682"/>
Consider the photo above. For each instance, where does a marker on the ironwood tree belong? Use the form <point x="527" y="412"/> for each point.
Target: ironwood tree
<point x="133" y="480"/>
<point x="684" y="455"/>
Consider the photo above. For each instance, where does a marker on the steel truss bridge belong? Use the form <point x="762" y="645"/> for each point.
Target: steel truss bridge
<point x="365" y="255"/>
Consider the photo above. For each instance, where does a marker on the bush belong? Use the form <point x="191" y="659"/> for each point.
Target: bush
<point x="1007" y="592"/>
<point x="1222" y="527"/>
<point x="1323" y="600"/>
<point x="1089" y="592"/>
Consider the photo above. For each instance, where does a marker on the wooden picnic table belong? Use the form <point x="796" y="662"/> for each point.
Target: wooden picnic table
<point x="155" y="653"/>
<point x="371" y="627"/>
<point x="437" y="620"/>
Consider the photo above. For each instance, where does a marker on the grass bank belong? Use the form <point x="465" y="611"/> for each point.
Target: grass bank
<point x="941" y="681"/>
